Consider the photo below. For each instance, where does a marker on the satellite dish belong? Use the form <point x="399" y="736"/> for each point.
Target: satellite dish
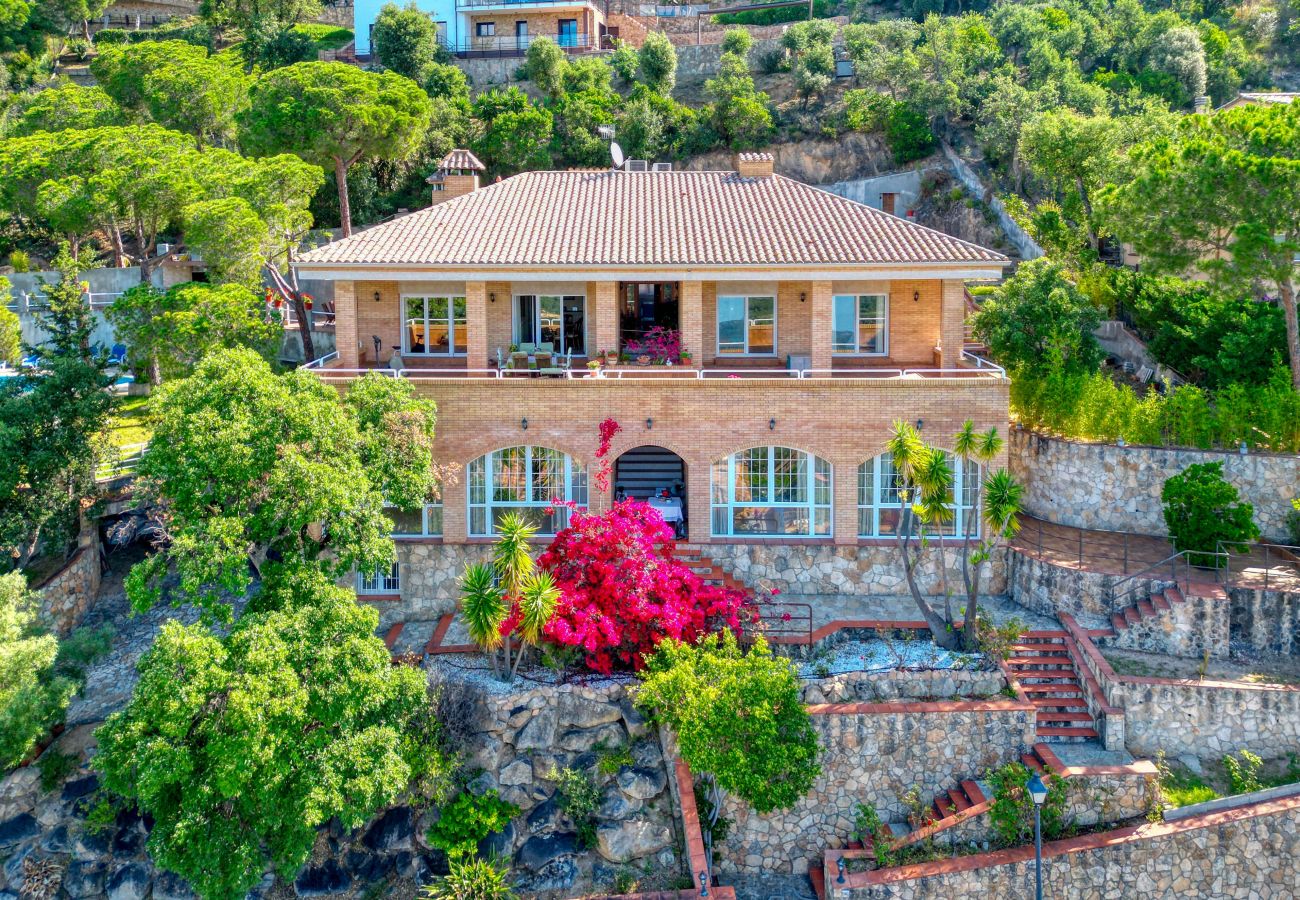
<point x="617" y="152"/>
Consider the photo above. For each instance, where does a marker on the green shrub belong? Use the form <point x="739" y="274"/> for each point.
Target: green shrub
<point x="872" y="832"/>
<point x="467" y="820"/>
<point x="1293" y="523"/>
<point x="1012" y="810"/>
<point x="866" y="110"/>
<point x="1243" y="774"/>
<point x="20" y="261"/>
<point x="54" y="767"/>
<point x="578" y="797"/>
<point x="1202" y="509"/>
<point x="908" y="133"/>
<point x="822" y="9"/>
<point x="737" y="40"/>
<point x="33" y="696"/>
<point x="112" y="36"/>
<point x="1039" y="322"/>
<point x="471" y="879"/>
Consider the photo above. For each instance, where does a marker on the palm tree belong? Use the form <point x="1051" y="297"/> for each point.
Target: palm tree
<point x="997" y="509"/>
<point x="483" y="609"/>
<point x="922" y="485"/>
<point x="513" y="563"/>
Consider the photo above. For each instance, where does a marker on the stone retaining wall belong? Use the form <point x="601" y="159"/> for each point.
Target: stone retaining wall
<point x="1238" y="854"/>
<point x="821" y="569"/>
<point x="1268" y="621"/>
<point x="68" y="593"/>
<point x="1110" y="488"/>
<point x="521" y="737"/>
<point x="897" y="684"/>
<point x="875" y="753"/>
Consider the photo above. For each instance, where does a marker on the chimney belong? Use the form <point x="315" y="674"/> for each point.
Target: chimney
<point x="754" y="165"/>
<point x="457" y="175"/>
<point x="1201" y="104"/>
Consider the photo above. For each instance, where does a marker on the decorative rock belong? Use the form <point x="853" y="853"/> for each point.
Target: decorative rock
<point x="558" y="876"/>
<point x="128" y="841"/>
<point x="19" y="828"/>
<point x="578" y="712"/>
<point x="391" y="832"/>
<point x="519" y="772"/>
<point x="80" y="787"/>
<point x="642" y="783"/>
<point x="131" y="882"/>
<point x="499" y="843"/>
<point x="636" y="724"/>
<point x="614" y="804"/>
<point x="538" y="733"/>
<point x="170" y="886"/>
<point x="581" y="739"/>
<point x="539" y="852"/>
<point x="545" y="818"/>
<point x="322" y="880"/>
<point x="56" y="840"/>
<point x="632" y="838"/>
<point x="93" y="843"/>
<point x="83" y="878"/>
<point x="366" y="867"/>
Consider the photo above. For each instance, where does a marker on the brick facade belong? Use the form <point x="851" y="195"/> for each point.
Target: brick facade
<point x="541" y="22"/>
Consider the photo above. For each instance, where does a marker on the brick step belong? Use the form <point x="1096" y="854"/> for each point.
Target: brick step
<point x="1048" y="716"/>
<point x="1087" y="734"/>
<point x="1031" y="762"/>
<point x="973" y="792"/>
<point x="1063" y="702"/>
<point x="1052" y="635"/>
<point x="817" y="876"/>
<point x="1118" y="622"/>
<point x="1174" y="595"/>
<point x="1044" y="660"/>
<point x="1065" y="690"/>
<point x="958" y="799"/>
<point x="1023" y="649"/>
<point x="943" y="808"/>
<point x="1130" y="614"/>
<point x="1160" y="602"/>
<point x="1145" y="608"/>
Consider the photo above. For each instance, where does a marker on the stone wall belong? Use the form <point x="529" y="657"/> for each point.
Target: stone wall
<point x="868" y="569"/>
<point x="1110" y="488"/>
<point x="1238" y="854"/>
<point x="520" y="737"/>
<point x="1268" y="621"/>
<point x="68" y="593"/>
<point x="875" y="753"/>
<point x="901" y="684"/>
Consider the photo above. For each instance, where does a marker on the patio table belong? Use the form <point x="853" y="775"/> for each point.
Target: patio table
<point x="669" y="507"/>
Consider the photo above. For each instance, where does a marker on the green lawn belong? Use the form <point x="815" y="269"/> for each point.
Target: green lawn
<point x="326" y="37"/>
<point x="131" y="423"/>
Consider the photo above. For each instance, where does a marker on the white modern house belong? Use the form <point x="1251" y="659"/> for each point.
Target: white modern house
<point x="498" y="27"/>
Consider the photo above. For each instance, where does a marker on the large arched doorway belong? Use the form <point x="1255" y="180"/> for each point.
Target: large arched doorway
<point x="658" y="475"/>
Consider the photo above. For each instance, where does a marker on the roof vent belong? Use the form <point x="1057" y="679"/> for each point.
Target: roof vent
<point x="662" y="167"/>
<point x="637" y="165"/>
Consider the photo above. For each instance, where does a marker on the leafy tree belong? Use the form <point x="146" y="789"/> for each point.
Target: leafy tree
<point x="545" y="65"/>
<point x="405" y="40"/>
<point x="11" y="333"/>
<point x="270" y="44"/>
<point x="625" y="61"/>
<point x="1219" y="196"/>
<point x="172" y="331"/>
<point x="884" y="55"/>
<point x="229" y="235"/>
<point x="1075" y="155"/>
<point x="32" y="697"/>
<point x="251" y="466"/>
<point x="908" y="133"/>
<point x="335" y="115"/>
<point x="1179" y="54"/>
<point x="577" y="118"/>
<point x="1203" y="510"/>
<point x="240" y="746"/>
<point x="738" y="112"/>
<point x="122" y="70"/>
<point x="67" y="106"/>
<point x="516" y="134"/>
<point x="641" y="129"/>
<point x="1038" y="320"/>
<point x="200" y="97"/>
<point x="738" y="41"/>
<point x="658" y="58"/>
<point x="48" y="427"/>
<point x="248" y="15"/>
<point x="447" y="82"/>
<point x="768" y="756"/>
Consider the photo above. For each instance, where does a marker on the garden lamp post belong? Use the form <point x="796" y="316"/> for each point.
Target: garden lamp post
<point x="1038" y="793"/>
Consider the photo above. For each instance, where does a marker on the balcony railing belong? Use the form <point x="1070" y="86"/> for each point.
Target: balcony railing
<point x="476" y="4"/>
<point x="517" y="45"/>
<point x="656" y="373"/>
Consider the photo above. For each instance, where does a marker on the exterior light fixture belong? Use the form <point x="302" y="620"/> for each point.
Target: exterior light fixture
<point x="492" y="297"/>
<point x="839" y="865"/>
<point x="649" y="423"/>
<point x="1038" y="793"/>
<point x="916" y="296"/>
<point x="704" y="884"/>
<point x="920" y="423"/>
<point x="771" y="424"/>
<point x="376" y="296"/>
<point x="802" y="296"/>
<point x="523" y="423"/>
<point x="1243" y="449"/>
<point x="1119" y="442"/>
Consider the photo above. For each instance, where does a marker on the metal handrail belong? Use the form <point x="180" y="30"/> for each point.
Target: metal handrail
<point x="1285" y="553"/>
<point x="320" y="361"/>
<point x="797" y="624"/>
<point x="982" y="363"/>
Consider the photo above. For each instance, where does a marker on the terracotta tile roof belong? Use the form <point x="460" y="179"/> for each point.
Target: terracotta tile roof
<point x="610" y="218"/>
<point x="461" y="159"/>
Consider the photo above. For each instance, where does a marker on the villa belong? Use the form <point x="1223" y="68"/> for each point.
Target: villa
<point x="753" y="338"/>
<point x="502" y="28"/>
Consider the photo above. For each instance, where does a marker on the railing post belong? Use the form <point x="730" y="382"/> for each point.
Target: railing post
<point x="1080" y="549"/>
<point x="1126" y="553"/>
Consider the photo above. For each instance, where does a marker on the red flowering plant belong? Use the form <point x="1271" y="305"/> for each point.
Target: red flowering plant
<point x="659" y="343"/>
<point x="622" y="590"/>
<point x="608" y="429"/>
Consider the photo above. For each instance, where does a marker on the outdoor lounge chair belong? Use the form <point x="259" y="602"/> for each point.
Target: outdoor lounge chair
<point x="117" y="356"/>
<point x="559" y="369"/>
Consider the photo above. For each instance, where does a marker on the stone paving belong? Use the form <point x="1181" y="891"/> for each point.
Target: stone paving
<point x="770" y="887"/>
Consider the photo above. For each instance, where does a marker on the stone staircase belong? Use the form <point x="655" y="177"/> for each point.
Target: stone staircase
<point x="960" y="799"/>
<point x="1147" y="608"/>
<point x="1043" y="668"/>
<point x="709" y="571"/>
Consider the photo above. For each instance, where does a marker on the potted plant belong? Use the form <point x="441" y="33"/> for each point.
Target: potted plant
<point x="593" y="366"/>
<point x="684" y="357"/>
<point x="611" y="357"/>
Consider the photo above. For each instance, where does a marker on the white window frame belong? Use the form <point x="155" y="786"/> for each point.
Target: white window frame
<point x="429" y="513"/>
<point x="883" y="320"/>
<point x="516" y="320"/>
<point x="480" y="490"/>
<point x="380" y="582"/>
<point x="450" y="322"/>
<point x="717" y="326"/>
<point x="874" y="496"/>
<point x="726" y="467"/>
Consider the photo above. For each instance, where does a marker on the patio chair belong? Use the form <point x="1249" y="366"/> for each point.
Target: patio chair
<point x="519" y="361"/>
<point x="543" y="358"/>
<point x="527" y="349"/>
<point x="30" y="361"/>
<point x="117" y="356"/>
<point x="559" y="370"/>
<point x="546" y="347"/>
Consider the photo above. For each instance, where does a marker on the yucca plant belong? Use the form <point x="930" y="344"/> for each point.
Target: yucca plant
<point x="470" y="878"/>
<point x="483" y="609"/>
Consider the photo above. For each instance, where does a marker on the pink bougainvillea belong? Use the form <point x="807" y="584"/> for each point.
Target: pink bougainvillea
<point x="622" y="590"/>
<point x="608" y="429"/>
<point x="659" y="343"/>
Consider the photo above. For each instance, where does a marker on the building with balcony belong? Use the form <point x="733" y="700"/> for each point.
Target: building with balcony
<point x="767" y="335"/>
<point x="499" y="28"/>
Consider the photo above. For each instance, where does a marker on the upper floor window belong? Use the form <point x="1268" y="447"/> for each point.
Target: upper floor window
<point x="533" y="481"/>
<point x="880" y="502"/>
<point x="860" y="324"/>
<point x="434" y="326"/>
<point x="425" y="521"/>
<point x="384" y="580"/>
<point x="485" y="29"/>
<point x="746" y="326"/>
<point x="560" y="321"/>
<point x="771" y="492"/>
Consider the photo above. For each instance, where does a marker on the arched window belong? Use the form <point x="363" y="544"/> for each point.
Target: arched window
<point x="771" y="492"/>
<point x="533" y="481"/>
<point x="880" y="509"/>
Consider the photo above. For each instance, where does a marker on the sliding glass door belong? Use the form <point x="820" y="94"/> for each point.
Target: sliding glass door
<point x="560" y="321"/>
<point x="433" y="326"/>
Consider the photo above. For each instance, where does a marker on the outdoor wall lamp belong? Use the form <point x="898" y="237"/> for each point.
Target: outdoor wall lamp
<point x="649" y="423"/>
<point x="771" y="424"/>
<point x="839" y="865"/>
<point x="916" y="296"/>
<point x="1243" y="449"/>
<point x="704" y="884"/>
<point x="920" y="423"/>
<point x="492" y="297"/>
<point x="802" y="296"/>
<point x="523" y="423"/>
<point x="376" y="296"/>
